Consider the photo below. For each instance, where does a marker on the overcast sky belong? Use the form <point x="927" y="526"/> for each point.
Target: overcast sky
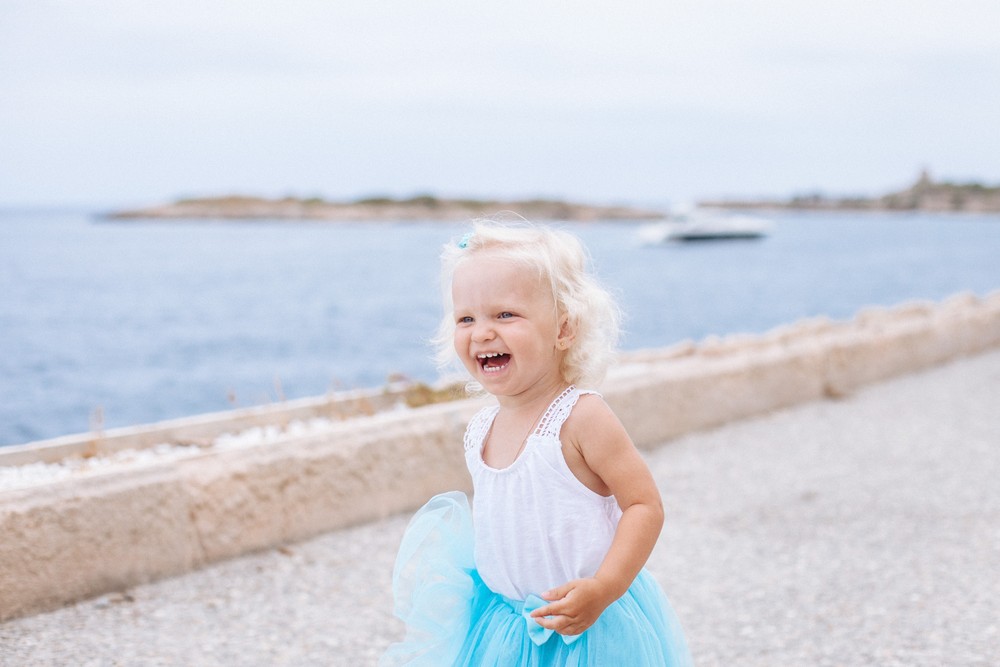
<point x="114" y="103"/>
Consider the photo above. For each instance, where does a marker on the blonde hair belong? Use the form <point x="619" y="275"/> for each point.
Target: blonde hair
<point x="560" y="260"/>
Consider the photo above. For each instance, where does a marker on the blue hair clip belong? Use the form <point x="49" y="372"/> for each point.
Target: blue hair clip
<point x="464" y="242"/>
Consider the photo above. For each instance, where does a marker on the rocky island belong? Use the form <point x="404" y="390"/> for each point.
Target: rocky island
<point x="925" y="195"/>
<point x="422" y="207"/>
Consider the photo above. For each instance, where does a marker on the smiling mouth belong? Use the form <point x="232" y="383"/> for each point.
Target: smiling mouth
<point x="493" y="361"/>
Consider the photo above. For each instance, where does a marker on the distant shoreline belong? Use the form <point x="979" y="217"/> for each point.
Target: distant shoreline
<point x="424" y="207"/>
<point x="926" y="195"/>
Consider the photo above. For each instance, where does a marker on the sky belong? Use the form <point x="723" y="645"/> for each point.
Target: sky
<point x="108" y="103"/>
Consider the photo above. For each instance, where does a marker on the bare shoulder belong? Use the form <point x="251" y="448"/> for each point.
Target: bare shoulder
<point x="601" y="454"/>
<point x="593" y="420"/>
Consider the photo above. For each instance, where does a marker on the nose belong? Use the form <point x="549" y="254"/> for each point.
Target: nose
<point x="483" y="332"/>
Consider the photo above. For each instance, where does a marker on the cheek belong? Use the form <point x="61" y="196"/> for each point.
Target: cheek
<point x="461" y="341"/>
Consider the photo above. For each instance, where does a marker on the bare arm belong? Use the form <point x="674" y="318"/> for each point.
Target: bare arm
<point x="612" y="463"/>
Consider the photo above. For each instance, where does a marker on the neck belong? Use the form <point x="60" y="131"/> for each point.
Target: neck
<point x="538" y="396"/>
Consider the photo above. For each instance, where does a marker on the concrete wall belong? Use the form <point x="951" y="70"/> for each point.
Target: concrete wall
<point x="107" y="531"/>
<point x="201" y="429"/>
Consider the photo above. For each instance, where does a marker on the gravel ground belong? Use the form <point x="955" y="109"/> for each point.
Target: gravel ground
<point x="862" y="531"/>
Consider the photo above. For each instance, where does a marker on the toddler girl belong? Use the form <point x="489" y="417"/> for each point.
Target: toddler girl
<point x="566" y="510"/>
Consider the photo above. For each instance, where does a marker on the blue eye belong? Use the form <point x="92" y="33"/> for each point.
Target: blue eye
<point x="465" y="320"/>
<point x="506" y="314"/>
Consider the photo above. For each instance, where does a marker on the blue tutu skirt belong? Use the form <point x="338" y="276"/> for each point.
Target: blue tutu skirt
<point x="453" y="618"/>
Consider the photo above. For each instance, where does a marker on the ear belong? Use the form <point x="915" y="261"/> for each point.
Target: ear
<point x="567" y="333"/>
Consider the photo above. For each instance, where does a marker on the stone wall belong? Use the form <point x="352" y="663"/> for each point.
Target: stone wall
<point x="108" y="530"/>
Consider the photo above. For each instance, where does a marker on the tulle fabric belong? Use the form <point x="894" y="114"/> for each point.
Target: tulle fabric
<point x="453" y="618"/>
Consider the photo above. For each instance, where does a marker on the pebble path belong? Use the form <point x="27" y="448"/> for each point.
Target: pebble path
<point x="857" y="531"/>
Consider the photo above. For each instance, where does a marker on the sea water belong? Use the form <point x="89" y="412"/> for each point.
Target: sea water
<point x="117" y="323"/>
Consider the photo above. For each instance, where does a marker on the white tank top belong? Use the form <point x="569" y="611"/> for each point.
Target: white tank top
<point x="536" y="525"/>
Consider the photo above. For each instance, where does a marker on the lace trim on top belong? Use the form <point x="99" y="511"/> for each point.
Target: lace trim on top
<point x="558" y="411"/>
<point x="475" y="432"/>
<point x="549" y="425"/>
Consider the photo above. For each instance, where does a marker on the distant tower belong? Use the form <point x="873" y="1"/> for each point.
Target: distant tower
<point x="924" y="181"/>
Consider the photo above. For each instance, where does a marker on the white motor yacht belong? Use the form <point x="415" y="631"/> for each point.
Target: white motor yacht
<point x="702" y="225"/>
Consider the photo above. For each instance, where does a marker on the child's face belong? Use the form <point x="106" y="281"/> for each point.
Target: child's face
<point x="506" y="331"/>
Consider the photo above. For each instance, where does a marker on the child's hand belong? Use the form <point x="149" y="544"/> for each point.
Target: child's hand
<point x="575" y="606"/>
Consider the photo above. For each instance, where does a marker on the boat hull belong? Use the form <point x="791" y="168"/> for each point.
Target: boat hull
<point x="706" y="228"/>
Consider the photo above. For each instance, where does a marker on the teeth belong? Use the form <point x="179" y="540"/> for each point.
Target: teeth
<point x="490" y="355"/>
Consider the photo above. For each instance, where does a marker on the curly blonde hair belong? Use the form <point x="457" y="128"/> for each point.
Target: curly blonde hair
<point x="560" y="260"/>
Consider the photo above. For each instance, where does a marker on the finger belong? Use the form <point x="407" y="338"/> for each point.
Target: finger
<point x="559" y="592"/>
<point x="548" y="610"/>
<point x="551" y="623"/>
<point x="561" y="624"/>
<point x="565" y="625"/>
